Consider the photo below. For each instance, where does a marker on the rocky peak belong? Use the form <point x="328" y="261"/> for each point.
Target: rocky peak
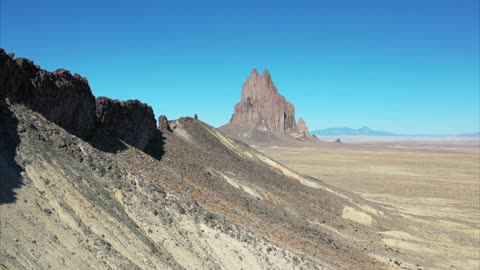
<point x="262" y="106"/>
<point x="258" y="86"/>
<point x="263" y="112"/>
<point x="303" y="130"/>
<point x="302" y="126"/>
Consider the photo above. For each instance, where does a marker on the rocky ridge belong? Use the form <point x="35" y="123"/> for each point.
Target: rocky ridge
<point x="181" y="197"/>
<point x="263" y="115"/>
<point x="67" y="100"/>
<point x="131" y="121"/>
<point x="61" y="97"/>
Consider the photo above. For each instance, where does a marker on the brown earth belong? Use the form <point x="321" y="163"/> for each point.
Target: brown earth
<point x="193" y="199"/>
<point x="431" y="187"/>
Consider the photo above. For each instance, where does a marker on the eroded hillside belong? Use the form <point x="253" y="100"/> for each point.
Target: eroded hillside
<point x="128" y="195"/>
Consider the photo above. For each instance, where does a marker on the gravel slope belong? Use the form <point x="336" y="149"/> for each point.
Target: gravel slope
<point x="194" y="199"/>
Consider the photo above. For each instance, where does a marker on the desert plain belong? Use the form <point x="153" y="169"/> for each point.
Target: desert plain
<point x="431" y="187"/>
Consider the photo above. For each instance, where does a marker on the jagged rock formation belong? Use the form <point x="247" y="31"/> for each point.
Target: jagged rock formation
<point x="131" y="121"/>
<point x="304" y="133"/>
<point x="67" y="100"/>
<point x="261" y="104"/>
<point x="302" y="126"/>
<point x="163" y="123"/>
<point x="263" y="115"/>
<point x="61" y="97"/>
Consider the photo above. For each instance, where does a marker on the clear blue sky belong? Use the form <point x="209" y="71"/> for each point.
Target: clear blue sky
<point x="405" y="66"/>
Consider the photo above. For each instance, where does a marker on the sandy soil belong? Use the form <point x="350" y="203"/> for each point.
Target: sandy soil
<point x="433" y="192"/>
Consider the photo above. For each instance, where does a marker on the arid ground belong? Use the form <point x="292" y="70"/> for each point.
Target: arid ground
<point x="432" y="186"/>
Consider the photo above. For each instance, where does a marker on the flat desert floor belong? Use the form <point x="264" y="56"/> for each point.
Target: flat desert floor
<point x="433" y="189"/>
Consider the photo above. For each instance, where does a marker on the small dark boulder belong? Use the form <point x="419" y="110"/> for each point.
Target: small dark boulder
<point x="338" y="141"/>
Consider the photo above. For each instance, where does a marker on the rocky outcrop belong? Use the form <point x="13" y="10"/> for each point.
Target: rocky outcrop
<point x="67" y="100"/>
<point x="59" y="96"/>
<point x="262" y="106"/>
<point x="263" y="114"/>
<point x="163" y="123"/>
<point x="302" y="126"/>
<point x="303" y="130"/>
<point x="131" y="121"/>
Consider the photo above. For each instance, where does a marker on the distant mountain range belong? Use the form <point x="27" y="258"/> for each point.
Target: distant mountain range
<point x="345" y="131"/>
<point x="474" y="134"/>
<point x="366" y="131"/>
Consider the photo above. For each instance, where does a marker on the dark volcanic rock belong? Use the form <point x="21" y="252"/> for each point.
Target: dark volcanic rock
<point x="131" y="121"/>
<point x="163" y="123"/>
<point x="59" y="96"/>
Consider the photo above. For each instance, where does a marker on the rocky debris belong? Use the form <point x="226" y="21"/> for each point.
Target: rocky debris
<point x="131" y="121"/>
<point x="61" y="97"/>
<point x="264" y="114"/>
<point x="338" y="141"/>
<point x="163" y="123"/>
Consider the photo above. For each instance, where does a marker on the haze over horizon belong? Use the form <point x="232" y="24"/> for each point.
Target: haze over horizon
<point x="405" y="67"/>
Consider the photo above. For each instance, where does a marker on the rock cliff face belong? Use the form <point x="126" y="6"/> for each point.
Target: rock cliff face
<point x="131" y="121"/>
<point x="61" y="97"/>
<point x="263" y="114"/>
<point x="263" y="106"/>
<point x="67" y="100"/>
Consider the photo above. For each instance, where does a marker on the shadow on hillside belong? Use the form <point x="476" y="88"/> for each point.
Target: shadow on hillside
<point x="155" y="148"/>
<point x="10" y="178"/>
<point x="107" y="143"/>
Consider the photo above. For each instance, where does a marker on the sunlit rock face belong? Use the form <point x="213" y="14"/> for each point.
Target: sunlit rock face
<point x="263" y="113"/>
<point x="262" y="106"/>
